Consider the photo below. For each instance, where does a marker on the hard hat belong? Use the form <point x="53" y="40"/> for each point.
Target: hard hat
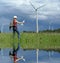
<point x="15" y="17"/>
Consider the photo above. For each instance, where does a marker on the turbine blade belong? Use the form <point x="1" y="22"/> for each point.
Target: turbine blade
<point x="41" y="6"/>
<point x="32" y="5"/>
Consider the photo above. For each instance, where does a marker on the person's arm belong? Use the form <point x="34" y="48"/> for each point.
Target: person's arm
<point x="20" y="22"/>
<point x="10" y="53"/>
<point x="10" y="25"/>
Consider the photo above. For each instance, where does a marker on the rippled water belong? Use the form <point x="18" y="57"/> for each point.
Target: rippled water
<point x="30" y="56"/>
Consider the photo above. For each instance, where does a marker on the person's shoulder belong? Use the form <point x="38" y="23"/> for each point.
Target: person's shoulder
<point x="17" y="21"/>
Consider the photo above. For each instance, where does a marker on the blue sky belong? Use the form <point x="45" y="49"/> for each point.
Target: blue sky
<point x="50" y="13"/>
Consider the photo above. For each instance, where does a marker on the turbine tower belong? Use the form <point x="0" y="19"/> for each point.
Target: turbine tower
<point x="2" y="26"/>
<point x="36" y="10"/>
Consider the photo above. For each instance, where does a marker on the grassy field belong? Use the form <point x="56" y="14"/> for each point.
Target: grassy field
<point x="32" y="40"/>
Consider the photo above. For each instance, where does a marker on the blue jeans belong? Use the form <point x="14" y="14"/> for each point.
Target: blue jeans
<point x="15" y="50"/>
<point x="16" y="30"/>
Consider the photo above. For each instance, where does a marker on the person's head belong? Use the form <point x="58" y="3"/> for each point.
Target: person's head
<point x="15" y="17"/>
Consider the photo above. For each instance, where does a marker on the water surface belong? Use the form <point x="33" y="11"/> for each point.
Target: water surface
<point x="30" y="56"/>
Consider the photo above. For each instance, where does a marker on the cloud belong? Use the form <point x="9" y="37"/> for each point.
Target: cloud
<point x="23" y="8"/>
<point x="24" y="5"/>
<point x="40" y="17"/>
<point x="16" y="2"/>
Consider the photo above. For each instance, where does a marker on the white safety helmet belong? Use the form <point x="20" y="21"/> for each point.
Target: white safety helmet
<point x="15" y="17"/>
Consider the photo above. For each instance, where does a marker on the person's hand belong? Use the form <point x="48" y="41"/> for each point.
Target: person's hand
<point x="9" y="27"/>
<point x="23" y="21"/>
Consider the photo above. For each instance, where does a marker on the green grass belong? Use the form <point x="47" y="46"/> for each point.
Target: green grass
<point x="31" y="40"/>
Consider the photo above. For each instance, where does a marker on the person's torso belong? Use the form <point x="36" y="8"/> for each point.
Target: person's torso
<point x="14" y="23"/>
<point x="15" y="57"/>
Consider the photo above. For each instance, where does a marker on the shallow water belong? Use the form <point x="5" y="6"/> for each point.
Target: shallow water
<point x="30" y="56"/>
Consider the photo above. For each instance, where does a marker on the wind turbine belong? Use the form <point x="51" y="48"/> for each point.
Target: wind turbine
<point x="50" y="25"/>
<point x="2" y="26"/>
<point x="36" y="10"/>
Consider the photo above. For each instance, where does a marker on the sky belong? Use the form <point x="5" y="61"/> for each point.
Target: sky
<point x="49" y="13"/>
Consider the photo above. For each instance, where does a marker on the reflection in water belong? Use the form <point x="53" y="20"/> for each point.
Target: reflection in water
<point x="30" y="56"/>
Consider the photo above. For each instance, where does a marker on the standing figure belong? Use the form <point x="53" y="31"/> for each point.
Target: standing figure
<point x="13" y="53"/>
<point x="13" y="25"/>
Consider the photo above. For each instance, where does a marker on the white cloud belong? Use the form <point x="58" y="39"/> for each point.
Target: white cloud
<point x="40" y="17"/>
<point x="16" y="2"/>
<point x="52" y="6"/>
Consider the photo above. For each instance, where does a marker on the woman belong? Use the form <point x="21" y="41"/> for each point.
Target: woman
<point x="13" y="53"/>
<point x="13" y="25"/>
